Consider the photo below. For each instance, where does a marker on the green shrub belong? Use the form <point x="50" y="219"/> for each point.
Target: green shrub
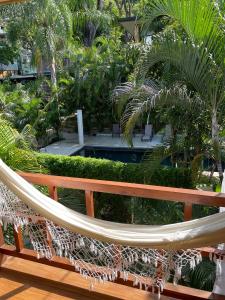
<point x="115" y="207"/>
<point x="103" y="169"/>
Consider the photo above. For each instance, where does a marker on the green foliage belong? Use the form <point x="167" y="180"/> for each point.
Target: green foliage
<point x="195" y="50"/>
<point x="19" y="105"/>
<point x="89" y="21"/>
<point x="106" y="205"/>
<point x="7" y="53"/>
<point x="42" y="26"/>
<point x="155" y="212"/>
<point x="189" y="51"/>
<point x="22" y="106"/>
<point x="84" y="45"/>
<point x="176" y="106"/>
<point x="15" y="146"/>
<point x="202" y="277"/>
<point x="102" y="169"/>
<point x="93" y="73"/>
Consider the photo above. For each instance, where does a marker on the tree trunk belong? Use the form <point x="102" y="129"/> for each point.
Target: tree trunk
<point x="100" y="4"/>
<point x="53" y="72"/>
<point x="51" y="48"/>
<point x="90" y="32"/>
<point x="91" y="28"/>
<point x="55" y="92"/>
<point x="216" y="143"/>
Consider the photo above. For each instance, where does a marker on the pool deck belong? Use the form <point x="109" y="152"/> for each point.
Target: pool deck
<point x="70" y="145"/>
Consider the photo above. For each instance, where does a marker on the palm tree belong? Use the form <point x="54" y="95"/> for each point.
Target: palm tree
<point x="16" y="148"/>
<point x="195" y="47"/>
<point x="44" y="27"/>
<point x="89" y="16"/>
<point x="49" y="27"/>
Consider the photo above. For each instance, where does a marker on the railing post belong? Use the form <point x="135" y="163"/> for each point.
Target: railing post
<point x="187" y="211"/>
<point x="89" y="198"/>
<point x="2" y="240"/>
<point x="52" y="190"/>
<point x="18" y="236"/>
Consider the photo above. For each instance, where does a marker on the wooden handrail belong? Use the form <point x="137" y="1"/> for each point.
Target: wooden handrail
<point x="130" y="189"/>
<point x="10" y="1"/>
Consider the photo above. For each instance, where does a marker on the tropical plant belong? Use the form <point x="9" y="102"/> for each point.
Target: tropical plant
<point x="7" y="53"/>
<point x="90" y="20"/>
<point x="16" y="151"/>
<point x="125" y="7"/>
<point x="175" y="106"/>
<point x="202" y="277"/>
<point x="92" y="75"/>
<point x="194" y="47"/>
<point x="44" y="27"/>
<point x="15" y="147"/>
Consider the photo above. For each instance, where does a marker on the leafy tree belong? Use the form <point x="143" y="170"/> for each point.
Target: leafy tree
<point x="7" y="53"/>
<point x="43" y="26"/>
<point x="15" y="147"/>
<point x="90" y="19"/>
<point x="93" y="73"/>
<point x="194" y="46"/>
<point x="125" y="7"/>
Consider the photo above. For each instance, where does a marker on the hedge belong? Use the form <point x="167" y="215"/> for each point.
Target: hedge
<point x="103" y="169"/>
<point x="115" y="207"/>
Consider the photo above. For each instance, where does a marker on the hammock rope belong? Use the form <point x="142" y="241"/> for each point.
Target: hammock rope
<point x="100" y="250"/>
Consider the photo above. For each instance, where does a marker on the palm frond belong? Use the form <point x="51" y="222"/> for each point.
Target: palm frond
<point x="8" y="137"/>
<point x="193" y="61"/>
<point x="201" y="20"/>
<point x="15" y="149"/>
<point x="152" y="160"/>
<point x="202" y="277"/>
<point x="142" y="99"/>
<point x="26" y="138"/>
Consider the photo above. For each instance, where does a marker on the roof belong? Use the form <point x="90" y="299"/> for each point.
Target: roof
<point x="130" y="24"/>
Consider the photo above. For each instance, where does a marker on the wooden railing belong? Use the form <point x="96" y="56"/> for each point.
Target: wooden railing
<point x="10" y="1"/>
<point x="89" y="186"/>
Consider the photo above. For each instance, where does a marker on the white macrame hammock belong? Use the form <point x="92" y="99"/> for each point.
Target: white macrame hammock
<point x="105" y="251"/>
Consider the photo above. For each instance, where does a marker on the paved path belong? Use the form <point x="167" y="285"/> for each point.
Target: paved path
<point x="70" y="145"/>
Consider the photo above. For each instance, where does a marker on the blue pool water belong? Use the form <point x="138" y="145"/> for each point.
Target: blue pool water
<point x="125" y="155"/>
<point x="117" y="154"/>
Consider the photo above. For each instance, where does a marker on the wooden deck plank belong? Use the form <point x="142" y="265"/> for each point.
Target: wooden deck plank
<point x="21" y="279"/>
<point x="10" y="288"/>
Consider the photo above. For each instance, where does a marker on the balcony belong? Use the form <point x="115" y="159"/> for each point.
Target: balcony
<point x="23" y="275"/>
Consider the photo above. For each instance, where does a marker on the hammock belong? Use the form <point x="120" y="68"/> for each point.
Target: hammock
<point x="102" y="250"/>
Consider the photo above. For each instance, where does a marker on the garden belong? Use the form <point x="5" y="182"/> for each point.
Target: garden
<point x="84" y="58"/>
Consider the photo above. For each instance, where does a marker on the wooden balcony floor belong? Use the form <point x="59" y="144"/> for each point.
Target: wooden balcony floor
<point x="22" y="279"/>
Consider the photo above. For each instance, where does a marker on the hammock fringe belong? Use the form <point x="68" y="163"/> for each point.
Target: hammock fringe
<point x="96" y="261"/>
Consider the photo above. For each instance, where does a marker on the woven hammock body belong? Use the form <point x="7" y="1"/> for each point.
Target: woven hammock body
<point x="101" y="250"/>
<point x="193" y="234"/>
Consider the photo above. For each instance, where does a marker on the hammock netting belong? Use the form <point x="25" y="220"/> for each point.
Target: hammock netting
<point x="95" y="260"/>
<point x="105" y="251"/>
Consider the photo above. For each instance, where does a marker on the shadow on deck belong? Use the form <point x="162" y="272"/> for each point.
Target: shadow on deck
<point x="21" y="279"/>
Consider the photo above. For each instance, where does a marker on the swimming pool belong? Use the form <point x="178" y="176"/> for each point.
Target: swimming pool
<point x="126" y="155"/>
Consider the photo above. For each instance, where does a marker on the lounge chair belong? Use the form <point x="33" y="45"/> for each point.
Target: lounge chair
<point x="168" y="133"/>
<point x="116" y="130"/>
<point x="147" y="137"/>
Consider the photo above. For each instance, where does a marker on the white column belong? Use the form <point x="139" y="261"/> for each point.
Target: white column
<point x="80" y="126"/>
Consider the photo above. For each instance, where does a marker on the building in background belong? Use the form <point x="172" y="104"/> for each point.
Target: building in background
<point x="21" y="69"/>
